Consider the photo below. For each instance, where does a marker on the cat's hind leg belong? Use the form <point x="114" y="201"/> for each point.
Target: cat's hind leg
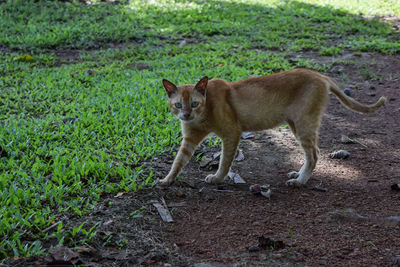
<point x="308" y="141"/>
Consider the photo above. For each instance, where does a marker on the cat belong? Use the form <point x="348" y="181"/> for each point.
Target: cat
<point x="297" y="97"/>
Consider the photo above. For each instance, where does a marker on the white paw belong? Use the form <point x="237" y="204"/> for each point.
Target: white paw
<point x="213" y="179"/>
<point x="294" y="183"/>
<point x="293" y="175"/>
<point x="165" y="182"/>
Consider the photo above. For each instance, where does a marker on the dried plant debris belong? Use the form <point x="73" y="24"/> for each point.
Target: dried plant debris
<point x="239" y="155"/>
<point x="340" y="154"/>
<point x="344" y="139"/>
<point x="348" y="215"/>
<point x="266" y="194"/>
<point x="163" y="211"/>
<point x="263" y="190"/>
<point x="62" y="256"/>
<point x="211" y="161"/>
<point x="352" y="216"/>
<point x="236" y="178"/>
<point x="248" y="135"/>
<point x="319" y="188"/>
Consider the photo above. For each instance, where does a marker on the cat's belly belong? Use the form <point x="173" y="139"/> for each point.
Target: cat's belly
<point x="260" y="123"/>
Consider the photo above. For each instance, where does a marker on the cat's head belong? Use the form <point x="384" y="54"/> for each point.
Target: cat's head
<point x="187" y="101"/>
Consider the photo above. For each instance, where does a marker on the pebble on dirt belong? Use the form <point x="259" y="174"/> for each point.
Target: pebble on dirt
<point x="395" y="187"/>
<point x="396" y="260"/>
<point x="254" y="248"/>
<point x="341" y="154"/>
<point x="347" y="91"/>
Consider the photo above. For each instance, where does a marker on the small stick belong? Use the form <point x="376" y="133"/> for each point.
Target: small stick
<point x="51" y="227"/>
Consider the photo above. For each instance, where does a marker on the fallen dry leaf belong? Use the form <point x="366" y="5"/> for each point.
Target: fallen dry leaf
<point x="163" y="211"/>
<point x="239" y="155"/>
<point x="62" y="255"/>
<point x="236" y="178"/>
<point x="248" y="135"/>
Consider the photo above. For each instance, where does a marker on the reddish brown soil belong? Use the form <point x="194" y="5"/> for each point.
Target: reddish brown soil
<point x="218" y="227"/>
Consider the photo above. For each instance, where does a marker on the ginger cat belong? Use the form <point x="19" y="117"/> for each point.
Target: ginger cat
<point x="297" y="97"/>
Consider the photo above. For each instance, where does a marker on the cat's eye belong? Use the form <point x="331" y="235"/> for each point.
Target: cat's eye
<point x="178" y="105"/>
<point x="195" y="104"/>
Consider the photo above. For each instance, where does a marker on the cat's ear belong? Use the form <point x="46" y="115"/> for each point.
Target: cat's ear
<point x="202" y="85"/>
<point x="169" y="87"/>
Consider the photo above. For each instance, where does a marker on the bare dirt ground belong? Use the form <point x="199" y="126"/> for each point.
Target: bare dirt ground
<point x="347" y="224"/>
<point x="342" y="217"/>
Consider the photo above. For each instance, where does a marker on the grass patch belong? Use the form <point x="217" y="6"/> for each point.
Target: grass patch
<point x="72" y="132"/>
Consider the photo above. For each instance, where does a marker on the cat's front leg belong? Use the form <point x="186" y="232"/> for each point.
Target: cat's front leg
<point x="186" y="150"/>
<point x="184" y="154"/>
<point x="229" y="146"/>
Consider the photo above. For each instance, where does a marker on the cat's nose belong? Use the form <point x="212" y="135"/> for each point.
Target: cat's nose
<point x="186" y="115"/>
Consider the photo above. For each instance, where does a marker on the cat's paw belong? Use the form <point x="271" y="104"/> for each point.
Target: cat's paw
<point x="165" y="182"/>
<point x="294" y="183"/>
<point x="213" y="179"/>
<point x="293" y="175"/>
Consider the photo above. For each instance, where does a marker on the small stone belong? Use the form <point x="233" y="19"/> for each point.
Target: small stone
<point x="90" y="72"/>
<point x="371" y="94"/>
<point x="347" y="91"/>
<point x="395" y="187"/>
<point x="254" y="248"/>
<point x="341" y="154"/>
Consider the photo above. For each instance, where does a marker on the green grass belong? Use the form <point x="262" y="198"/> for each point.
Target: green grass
<point x="71" y="131"/>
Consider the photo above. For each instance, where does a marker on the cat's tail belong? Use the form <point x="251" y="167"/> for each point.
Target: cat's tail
<point x="352" y="104"/>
